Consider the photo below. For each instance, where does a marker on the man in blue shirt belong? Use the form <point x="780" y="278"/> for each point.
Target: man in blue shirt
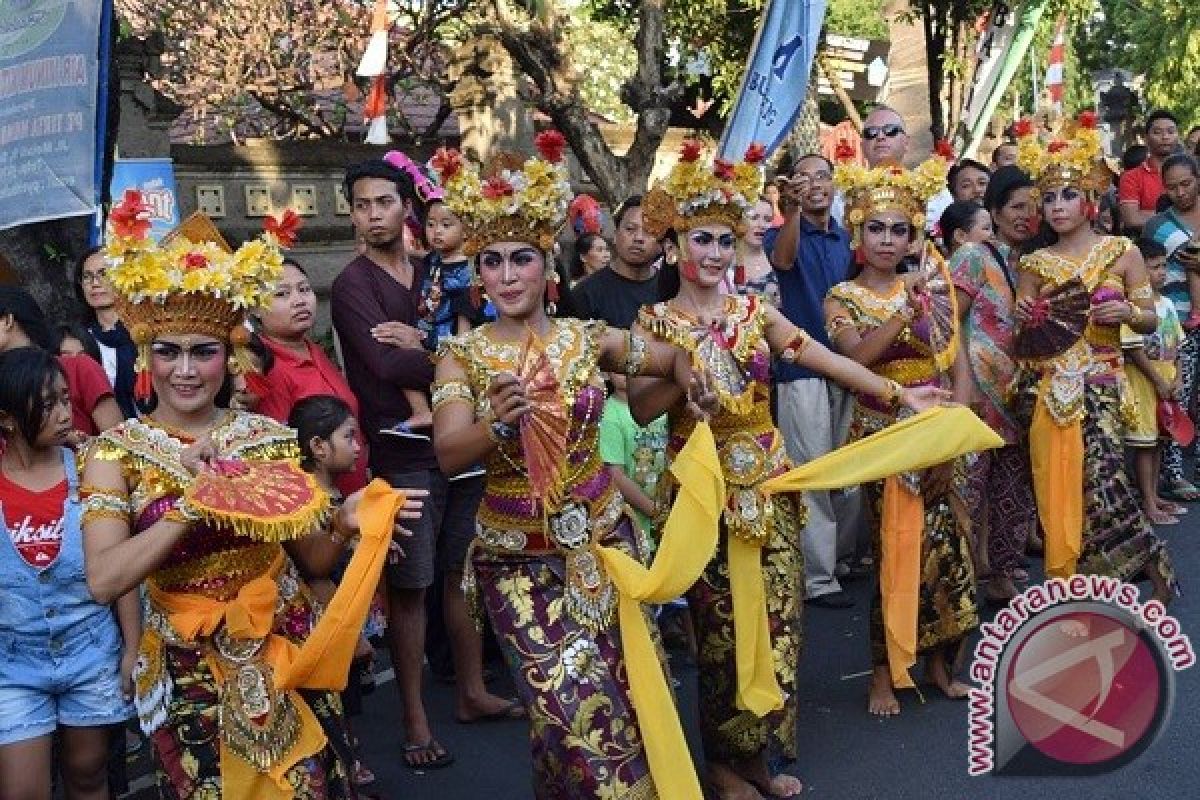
<point x="811" y="253"/>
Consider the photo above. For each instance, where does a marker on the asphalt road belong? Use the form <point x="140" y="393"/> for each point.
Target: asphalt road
<point x="845" y="753"/>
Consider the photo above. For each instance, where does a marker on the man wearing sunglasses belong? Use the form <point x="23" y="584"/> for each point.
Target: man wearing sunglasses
<point x="811" y="254"/>
<point x="884" y="138"/>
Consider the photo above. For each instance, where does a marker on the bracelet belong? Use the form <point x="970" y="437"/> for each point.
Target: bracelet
<point x="501" y="433"/>
<point x="182" y="512"/>
<point x="635" y="354"/>
<point x="795" y="346"/>
<point x="894" y="390"/>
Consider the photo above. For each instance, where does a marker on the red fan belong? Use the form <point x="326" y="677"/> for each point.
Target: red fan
<point x="1059" y="318"/>
<point x="1173" y="421"/>
<point x="544" y="428"/>
<point x="264" y="500"/>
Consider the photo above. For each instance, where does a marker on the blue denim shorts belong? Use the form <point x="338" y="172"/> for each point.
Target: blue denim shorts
<point x="71" y="680"/>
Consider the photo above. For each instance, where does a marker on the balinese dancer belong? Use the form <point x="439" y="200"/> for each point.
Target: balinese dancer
<point x="1072" y="298"/>
<point x="556" y="560"/>
<point x="208" y="510"/>
<point x="892" y="324"/>
<point x="746" y="606"/>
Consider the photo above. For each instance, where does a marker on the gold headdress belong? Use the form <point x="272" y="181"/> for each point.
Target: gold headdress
<point x="696" y="193"/>
<point x="509" y="201"/>
<point x="870" y="190"/>
<point x="1074" y="157"/>
<point x="190" y="282"/>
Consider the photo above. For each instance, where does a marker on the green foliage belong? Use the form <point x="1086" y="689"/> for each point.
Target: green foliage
<point x="1158" y="39"/>
<point x="863" y="19"/>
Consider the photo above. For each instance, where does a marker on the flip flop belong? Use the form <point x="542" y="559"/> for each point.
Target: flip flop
<point x="441" y="756"/>
<point x="510" y="713"/>
<point x="1181" y="491"/>
<point x="765" y="789"/>
<point x="1161" y="518"/>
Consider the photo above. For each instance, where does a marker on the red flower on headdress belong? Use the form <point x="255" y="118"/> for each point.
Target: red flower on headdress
<point x="1057" y="146"/>
<point x="283" y="229"/>
<point x="944" y="149"/>
<point x="551" y="144"/>
<point x="447" y="161"/>
<point x="195" y="261"/>
<point x="691" y="150"/>
<point x="723" y="169"/>
<point x="131" y="217"/>
<point x="1087" y="119"/>
<point x="755" y="153"/>
<point x="496" y="187"/>
<point x="844" y="151"/>
<point x="1022" y="127"/>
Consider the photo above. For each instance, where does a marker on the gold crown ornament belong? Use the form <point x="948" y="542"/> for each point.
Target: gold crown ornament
<point x="509" y="200"/>
<point x="190" y="282"/>
<point x="1074" y="156"/>
<point x="870" y="190"/>
<point x="696" y="193"/>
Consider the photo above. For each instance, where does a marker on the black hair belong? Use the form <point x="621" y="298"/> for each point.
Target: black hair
<point x="28" y="373"/>
<point x="28" y="314"/>
<point x="317" y="417"/>
<point x="291" y="262"/>
<point x="1151" y="249"/>
<point x="1160" y="113"/>
<point x="1134" y="156"/>
<point x="566" y="306"/>
<point x="806" y="156"/>
<point x="632" y="202"/>
<point x="958" y="216"/>
<point x="1109" y="202"/>
<point x="668" y="273"/>
<point x="89" y="313"/>
<point x="1181" y="160"/>
<point x="74" y="330"/>
<point x="964" y="164"/>
<point x="1003" y="183"/>
<point x="583" y="245"/>
<point x="259" y="348"/>
<point x="1005" y="143"/>
<point x="378" y="168"/>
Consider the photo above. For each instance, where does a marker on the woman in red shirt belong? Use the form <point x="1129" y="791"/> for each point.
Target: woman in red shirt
<point x="301" y="369"/>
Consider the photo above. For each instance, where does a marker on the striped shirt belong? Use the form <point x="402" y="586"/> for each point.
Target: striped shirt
<point x="1172" y="233"/>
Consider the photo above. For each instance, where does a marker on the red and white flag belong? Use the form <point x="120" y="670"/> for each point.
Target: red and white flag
<point x="1054" y="69"/>
<point x="374" y="66"/>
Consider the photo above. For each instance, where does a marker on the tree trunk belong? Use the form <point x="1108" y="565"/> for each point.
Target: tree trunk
<point x="537" y="51"/>
<point x="935" y="51"/>
<point x="42" y="255"/>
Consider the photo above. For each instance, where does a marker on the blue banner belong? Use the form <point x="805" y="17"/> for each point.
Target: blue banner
<point x="155" y="179"/>
<point x="776" y="80"/>
<point x="49" y="55"/>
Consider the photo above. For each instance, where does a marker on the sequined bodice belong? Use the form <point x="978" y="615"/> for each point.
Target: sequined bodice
<point x="573" y="349"/>
<point x="207" y="560"/>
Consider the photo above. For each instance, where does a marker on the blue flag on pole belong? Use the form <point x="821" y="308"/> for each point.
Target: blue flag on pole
<point x="776" y="80"/>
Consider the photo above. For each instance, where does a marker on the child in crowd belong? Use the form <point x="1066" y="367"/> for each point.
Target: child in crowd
<point x="329" y="447"/>
<point x="68" y="663"/>
<point x="636" y="456"/>
<point x="964" y="222"/>
<point x="74" y="340"/>
<point x="1153" y="376"/>
<point x="251" y="387"/>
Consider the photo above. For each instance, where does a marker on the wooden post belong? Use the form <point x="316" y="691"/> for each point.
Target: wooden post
<point x="836" y="84"/>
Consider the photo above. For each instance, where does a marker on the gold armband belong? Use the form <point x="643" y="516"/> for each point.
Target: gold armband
<point x="636" y="351"/>
<point x="449" y="392"/>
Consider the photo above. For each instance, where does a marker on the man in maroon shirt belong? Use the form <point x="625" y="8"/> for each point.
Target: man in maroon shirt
<point x="374" y="303"/>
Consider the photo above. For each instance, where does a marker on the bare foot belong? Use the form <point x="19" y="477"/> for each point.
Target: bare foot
<point x="755" y="772"/>
<point x="881" y="699"/>
<point x="940" y="676"/>
<point x="488" y="708"/>
<point x="727" y="784"/>
<point x="422" y="419"/>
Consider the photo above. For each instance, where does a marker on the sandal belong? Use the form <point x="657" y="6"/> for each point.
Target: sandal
<point x="1182" y="491"/>
<point x="434" y="756"/>
<point x="362" y="775"/>
<point x="1161" y="518"/>
<point x="1172" y="508"/>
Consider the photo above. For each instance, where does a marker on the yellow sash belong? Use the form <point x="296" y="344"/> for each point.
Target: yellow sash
<point x="1056" y="456"/>
<point x="322" y="662"/>
<point x="687" y="545"/>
